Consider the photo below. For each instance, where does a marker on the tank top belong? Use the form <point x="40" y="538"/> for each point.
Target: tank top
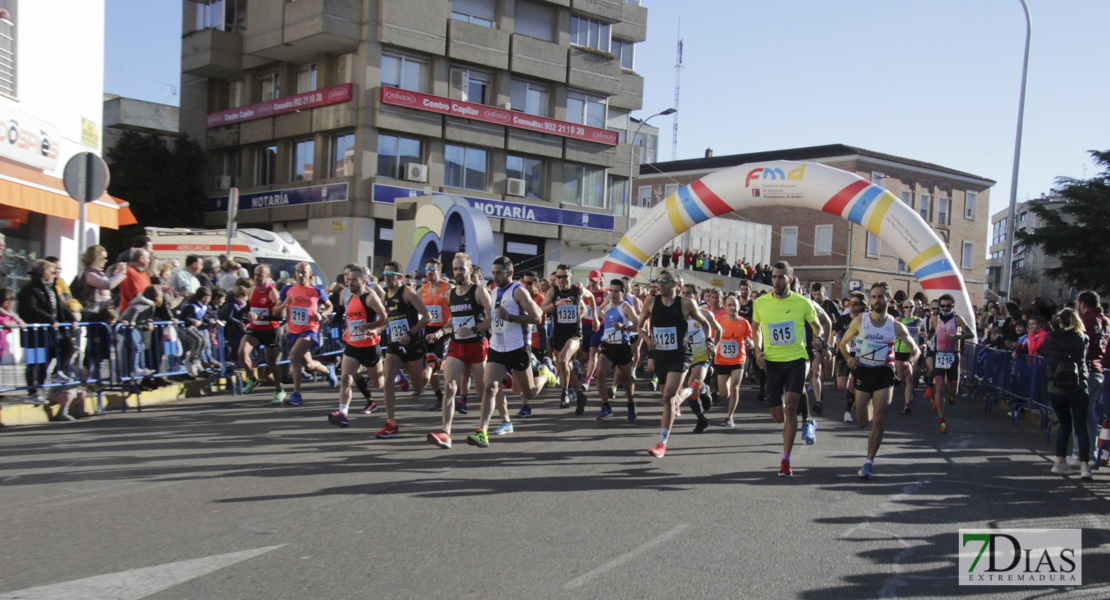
<point x="746" y="310"/>
<point x="465" y="312"/>
<point x="567" y="322"/>
<point x="943" y="329"/>
<point x="668" y="330"/>
<point x="610" y="334"/>
<point x="599" y="297"/>
<point x="506" y="336"/>
<point x="357" y="315"/>
<point x="402" y="315"/>
<point x="437" y="303"/>
<point x="695" y="334"/>
<point x="261" y="305"/>
<point x="876" y="343"/>
<point x="913" y="325"/>
<point x="732" y="350"/>
<point x="304" y="302"/>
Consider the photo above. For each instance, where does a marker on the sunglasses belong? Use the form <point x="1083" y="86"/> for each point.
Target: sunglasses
<point x="431" y="268"/>
<point x="392" y="274"/>
<point x="528" y="281"/>
<point x="853" y="304"/>
<point x="946" y="306"/>
<point x="664" y="281"/>
<point x="561" y="276"/>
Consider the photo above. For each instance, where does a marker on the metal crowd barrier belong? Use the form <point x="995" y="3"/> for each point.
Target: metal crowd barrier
<point x="81" y="355"/>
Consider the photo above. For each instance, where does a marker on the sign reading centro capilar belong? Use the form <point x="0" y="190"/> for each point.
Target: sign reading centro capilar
<point x="498" y="116"/>
<point x="332" y="192"/>
<point x="387" y="194"/>
<point x="323" y="97"/>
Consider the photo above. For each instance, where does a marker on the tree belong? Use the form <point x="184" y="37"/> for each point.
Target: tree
<point x="162" y="182"/>
<point x="1078" y="233"/>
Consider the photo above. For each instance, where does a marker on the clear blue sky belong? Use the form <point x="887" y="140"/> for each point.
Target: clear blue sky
<point x="933" y="80"/>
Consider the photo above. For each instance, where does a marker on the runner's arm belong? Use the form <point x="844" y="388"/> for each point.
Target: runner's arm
<point x="531" y="314"/>
<point x="548" y="306"/>
<point x="968" y="331"/>
<point x="425" y="317"/>
<point x="852" y="332"/>
<point x="630" y="313"/>
<point x="374" y="304"/>
<point x="481" y="294"/>
<point x="645" y="316"/>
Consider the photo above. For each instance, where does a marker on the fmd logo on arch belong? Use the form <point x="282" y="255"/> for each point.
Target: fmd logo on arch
<point x="1021" y="557"/>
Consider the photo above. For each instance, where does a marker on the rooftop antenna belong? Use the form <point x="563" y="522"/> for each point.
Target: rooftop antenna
<point x="677" y="82"/>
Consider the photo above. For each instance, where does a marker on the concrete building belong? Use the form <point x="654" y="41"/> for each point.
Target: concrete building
<point x="129" y="114"/>
<point x="825" y="248"/>
<point x="1029" y="263"/>
<point x="322" y="112"/>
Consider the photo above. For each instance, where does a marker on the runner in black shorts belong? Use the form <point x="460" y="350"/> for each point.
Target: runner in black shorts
<point x="566" y="303"/>
<point x="406" y="349"/>
<point x="361" y="337"/>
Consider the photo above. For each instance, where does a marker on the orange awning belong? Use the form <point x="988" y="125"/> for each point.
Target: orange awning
<point x="25" y="188"/>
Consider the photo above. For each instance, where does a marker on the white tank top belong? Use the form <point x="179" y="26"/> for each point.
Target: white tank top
<point x="876" y="344"/>
<point x="506" y="336"/>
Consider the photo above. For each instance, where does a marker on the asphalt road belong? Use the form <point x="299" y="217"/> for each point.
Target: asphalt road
<point x="226" y="497"/>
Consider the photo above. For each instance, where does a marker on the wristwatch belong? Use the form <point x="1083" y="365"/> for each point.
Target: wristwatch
<point x="512" y="318"/>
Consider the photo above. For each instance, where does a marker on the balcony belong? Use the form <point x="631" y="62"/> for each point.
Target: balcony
<point x="303" y="29"/>
<point x="610" y="10"/>
<point x="537" y="58"/>
<point x="631" y="94"/>
<point x="420" y="26"/>
<point x="633" y="23"/>
<point x="592" y="70"/>
<point x="479" y="45"/>
<point x="212" y="53"/>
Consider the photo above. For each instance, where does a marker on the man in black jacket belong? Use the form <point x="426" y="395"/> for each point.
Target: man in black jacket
<point x="39" y="304"/>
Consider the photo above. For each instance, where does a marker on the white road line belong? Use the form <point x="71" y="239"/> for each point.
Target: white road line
<point x="620" y="560"/>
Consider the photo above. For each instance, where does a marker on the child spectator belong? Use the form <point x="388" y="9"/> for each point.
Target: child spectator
<point x="8" y="320"/>
<point x="235" y="314"/>
<point x="195" y="314"/>
<point x="138" y="316"/>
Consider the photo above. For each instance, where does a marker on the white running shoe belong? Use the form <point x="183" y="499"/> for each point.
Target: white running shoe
<point x="848" y="417"/>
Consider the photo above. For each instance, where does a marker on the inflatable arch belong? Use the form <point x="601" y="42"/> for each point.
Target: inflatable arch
<point x="800" y="185"/>
<point x="454" y="219"/>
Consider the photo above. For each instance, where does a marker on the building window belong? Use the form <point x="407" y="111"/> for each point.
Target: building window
<point x="270" y="88"/>
<point x="942" y="210"/>
<point x="531" y="170"/>
<point x="530" y="98"/>
<point x="225" y="15"/>
<point x="266" y="166"/>
<point x="304" y="153"/>
<point x="907" y="198"/>
<point x="405" y="72"/>
<point x="626" y="52"/>
<point x="925" y="206"/>
<point x="589" y="33"/>
<point x="469" y="85"/>
<point x="669" y="189"/>
<point x="230" y="166"/>
<point x="585" y="109"/>
<point x="901" y="266"/>
<point x="1017" y="265"/>
<point x="969" y="204"/>
<point x="648" y="146"/>
<point x="874" y="246"/>
<point x="534" y="19"/>
<point x="643" y="196"/>
<point x="1000" y="231"/>
<point x="306" y="78"/>
<point x="789" y="241"/>
<point x="478" y="12"/>
<point x="394" y="152"/>
<point x="822" y="240"/>
<point x="344" y="66"/>
<point x="618" y="195"/>
<point x="342" y="155"/>
<point x="583" y="185"/>
<point x="1023" y="215"/>
<point x="7" y="51"/>
<point x="466" y="167"/>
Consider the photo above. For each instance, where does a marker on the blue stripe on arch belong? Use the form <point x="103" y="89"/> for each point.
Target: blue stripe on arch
<point x="691" y="205"/>
<point x="940" y="266"/>
<point x="864" y="202"/>
<point x="627" y="259"/>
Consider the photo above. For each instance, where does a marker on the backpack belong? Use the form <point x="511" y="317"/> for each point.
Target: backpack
<point x="1066" y="377"/>
<point x="81" y="291"/>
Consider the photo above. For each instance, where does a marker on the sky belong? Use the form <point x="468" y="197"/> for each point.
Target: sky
<point x="931" y="80"/>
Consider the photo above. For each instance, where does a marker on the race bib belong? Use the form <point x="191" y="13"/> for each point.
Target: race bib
<point x="730" y="349"/>
<point x="354" y="330"/>
<point x="458" y="323"/>
<point x="566" y="314"/>
<point x="436" y="312"/>
<point x="612" y="336"/>
<point x="913" y="332"/>
<point x="298" y="315"/>
<point x="666" y="338"/>
<point x="261" y="312"/>
<point x="499" y="325"/>
<point x="589" y="315"/>
<point x="781" y="334"/>
<point x="945" y="360"/>
<point x="397" y="328"/>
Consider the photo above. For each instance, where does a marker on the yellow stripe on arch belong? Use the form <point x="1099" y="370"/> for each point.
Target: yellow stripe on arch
<point x="879" y="213"/>
<point x="677" y="221"/>
<point x="631" y="248"/>
<point x="926" y="255"/>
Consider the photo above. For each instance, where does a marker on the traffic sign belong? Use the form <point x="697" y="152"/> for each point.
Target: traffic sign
<point x="86" y="177"/>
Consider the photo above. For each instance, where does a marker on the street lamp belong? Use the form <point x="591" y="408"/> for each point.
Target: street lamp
<point x="631" y="153"/>
<point x="1008" y="263"/>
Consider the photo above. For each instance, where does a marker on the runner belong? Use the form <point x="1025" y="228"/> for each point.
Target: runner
<point x="667" y="315"/>
<point x="950" y="330"/>
<point x="702" y="349"/>
<point x="361" y="337"/>
<point x="873" y="366"/>
<point x="620" y="318"/>
<point x="513" y="308"/>
<point x="593" y="332"/>
<point x="820" y="367"/>
<point x="339" y="300"/>
<point x="817" y="347"/>
<point x="779" y="322"/>
<point x="907" y="368"/>
<point x="434" y="296"/>
<point x="857" y="305"/>
<point x="567" y="302"/>
<point x="732" y="354"/>
<point x="308" y="306"/>
<point x="931" y="351"/>
<point x="262" y="331"/>
<point x="407" y="318"/>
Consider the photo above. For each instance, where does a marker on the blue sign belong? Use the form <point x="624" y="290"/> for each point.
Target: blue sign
<point x="387" y="194"/>
<point x="332" y="192"/>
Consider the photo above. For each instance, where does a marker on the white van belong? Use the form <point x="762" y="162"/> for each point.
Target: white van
<point x="248" y="247"/>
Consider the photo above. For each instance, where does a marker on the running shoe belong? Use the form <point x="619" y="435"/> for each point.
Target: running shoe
<point x="564" y="400"/>
<point x="279" y="398"/>
<point x="865" y="471"/>
<point x="817" y="409"/>
<point x="658" y="450"/>
<point x="436" y="404"/>
<point x="547" y="374"/>
<point x="371" y="406"/>
<point x="443" y="440"/>
<point x="1062" y="469"/>
<point x="580" y="401"/>
<point x="848" y="417"/>
<point x="631" y="413"/>
<point x="951" y="399"/>
<point x="503" y="429"/>
<point x="333" y="380"/>
<point x="478" y="438"/>
<point x="809" y="432"/>
<point x="605" y="413"/>
<point x="507" y="381"/>
<point x="706" y="401"/>
<point x="943" y="427"/>
<point x="1086" y="472"/>
<point x="907" y="410"/>
<point x="729" y="422"/>
<point x="402" y="382"/>
<point x="550" y="365"/>
<point x="612" y="391"/>
<point x="929" y="394"/>
<point x="389" y="431"/>
<point x="586" y="384"/>
<point x="460" y="406"/>
<point x="785" y="470"/>
<point x="249" y="386"/>
<point x="294" y="399"/>
<point x="1073" y="461"/>
<point x="338" y="419"/>
<point x="654" y="383"/>
<point x="525" y="412"/>
<point x="702" y="424"/>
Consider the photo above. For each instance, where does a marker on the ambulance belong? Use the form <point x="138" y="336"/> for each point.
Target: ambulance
<point x="249" y="247"/>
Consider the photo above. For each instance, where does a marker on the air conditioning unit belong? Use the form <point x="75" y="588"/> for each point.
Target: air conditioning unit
<point x="416" y="172"/>
<point x="516" y="187"/>
<point x="223" y="182"/>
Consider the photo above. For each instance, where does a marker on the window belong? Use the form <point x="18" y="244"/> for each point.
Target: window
<point x="230" y="165"/>
<point x="394" y="152"/>
<point x="969" y="204"/>
<point x="648" y="144"/>
<point x="626" y="52"/>
<point x="235" y="91"/>
<point x="669" y="189"/>
<point x="405" y="72"/>
<point x="901" y="266"/>
<point x="942" y="210"/>
<point x="270" y="88"/>
<point x="530" y="98"/>
<point x="534" y="19"/>
<point x="618" y="195"/>
<point x="344" y="65"/>
<point x="1018" y="248"/>
<point x="531" y="170"/>
<point x="589" y="33"/>
<point x="469" y="85"/>
<point x="342" y="155"/>
<point x="907" y="197"/>
<point x="478" y="12"/>
<point x="925" y="206"/>
<point x="466" y="167"/>
<point x="1000" y="230"/>
<point x="7" y="53"/>
<point x="874" y="247"/>
<point x="643" y="196"/>
<point x="1023" y="215"/>
<point x="822" y="240"/>
<point x="1017" y="265"/>
<point x="965" y="257"/>
<point x="304" y="153"/>
<point x="789" y="241"/>
<point x="617" y="120"/>
<point x="585" y="109"/>
<point x="306" y="78"/>
<point x="266" y="166"/>
<point x="583" y="185"/>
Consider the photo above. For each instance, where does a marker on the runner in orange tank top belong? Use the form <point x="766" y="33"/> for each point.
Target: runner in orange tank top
<point x="365" y="320"/>
<point x="308" y="305"/>
<point x="434" y="296"/>
<point x="732" y="354"/>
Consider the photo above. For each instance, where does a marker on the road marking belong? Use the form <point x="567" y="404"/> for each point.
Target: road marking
<point x="136" y="583"/>
<point x="620" y="560"/>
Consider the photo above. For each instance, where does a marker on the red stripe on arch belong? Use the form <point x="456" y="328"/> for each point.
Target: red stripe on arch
<point x="711" y="201"/>
<point x="949" y="282"/>
<point x="614" y="267"/>
<point x="839" y="202"/>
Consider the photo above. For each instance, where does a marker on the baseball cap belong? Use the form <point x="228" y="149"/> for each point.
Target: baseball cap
<point x="595" y="275"/>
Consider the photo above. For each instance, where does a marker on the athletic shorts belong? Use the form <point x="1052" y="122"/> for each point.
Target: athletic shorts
<point x="514" y="360"/>
<point x="438" y="347"/>
<point x="873" y="379"/>
<point x="727" y="369"/>
<point x="671" y="365"/>
<point x="595" y="338"/>
<point x="265" y="337"/>
<point x="842" y="369"/>
<point x="618" y="354"/>
<point x="950" y="374"/>
<point x="310" y="335"/>
<point x="902" y="356"/>
<point x="368" y="357"/>
<point x="700" y="357"/>
<point x="783" y="377"/>
<point x="417" y="351"/>
<point x="471" y="354"/>
<point x="559" y="343"/>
